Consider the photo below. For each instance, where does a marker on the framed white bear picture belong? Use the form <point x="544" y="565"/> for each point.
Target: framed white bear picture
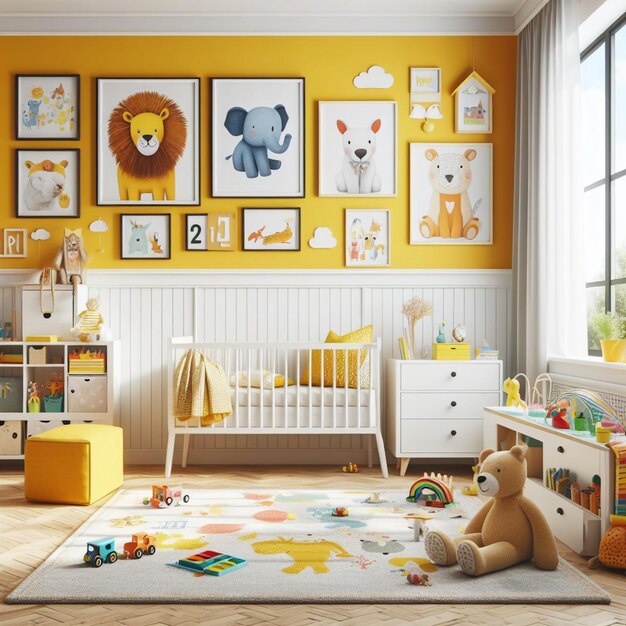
<point x="451" y="193"/>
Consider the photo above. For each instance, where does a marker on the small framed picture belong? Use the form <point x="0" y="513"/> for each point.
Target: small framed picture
<point x="47" y="106"/>
<point x="473" y="103"/>
<point x="222" y="232"/>
<point x="145" y="236"/>
<point x="368" y="243"/>
<point x="196" y="231"/>
<point x="271" y="229"/>
<point x="257" y="137"/>
<point x="15" y="242"/>
<point x="357" y="148"/>
<point x="148" y="132"/>
<point x="425" y="84"/>
<point x="47" y="183"/>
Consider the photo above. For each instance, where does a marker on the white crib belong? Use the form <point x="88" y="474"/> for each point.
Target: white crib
<point x="290" y="409"/>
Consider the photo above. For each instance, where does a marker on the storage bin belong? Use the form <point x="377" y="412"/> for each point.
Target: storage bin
<point x="451" y="351"/>
<point x="37" y="356"/>
<point x="53" y="405"/>
<point x="36" y="427"/>
<point x="11" y="395"/>
<point x="11" y="437"/>
<point x="87" y="394"/>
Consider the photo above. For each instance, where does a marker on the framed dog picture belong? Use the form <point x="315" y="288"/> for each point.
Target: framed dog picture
<point x="47" y="183"/>
<point x="257" y="137"/>
<point x="145" y="236"/>
<point x="358" y="148"/>
<point x="148" y="141"/>
<point x="271" y="229"/>
<point x="196" y="231"/>
<point x="368" y="241"/>
<point x="47" y="106"/>
<point x="451" y="193"/>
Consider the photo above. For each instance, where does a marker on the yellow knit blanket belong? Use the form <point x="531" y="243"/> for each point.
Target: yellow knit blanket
<point x="201" y="389"/>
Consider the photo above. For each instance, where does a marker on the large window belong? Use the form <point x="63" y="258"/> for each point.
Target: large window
<point x="603" y="122"/>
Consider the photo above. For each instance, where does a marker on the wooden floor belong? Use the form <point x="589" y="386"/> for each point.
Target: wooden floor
<point x="29" y="532"/>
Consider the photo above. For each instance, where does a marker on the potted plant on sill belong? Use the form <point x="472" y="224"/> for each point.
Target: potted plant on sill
<point x="611" y="330"/>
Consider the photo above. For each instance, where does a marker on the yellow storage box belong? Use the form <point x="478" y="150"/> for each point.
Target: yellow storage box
<point x="75" y="464"/>
<point x="451" y="351"/>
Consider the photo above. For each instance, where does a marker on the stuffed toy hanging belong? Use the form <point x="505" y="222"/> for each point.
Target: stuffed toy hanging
<point x="71" y="259"/>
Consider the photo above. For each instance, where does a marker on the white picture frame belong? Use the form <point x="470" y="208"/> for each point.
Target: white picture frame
<point x="345" y="172"/>
<point x="238" y="170"/>
<point x="432" y="193"/>
<point x="196" y="229"/>
<point x="260" y="223"/>
<point x="368" y="237"/>
<point x="177" y="100"/>
<point x="425" y="84"/>
<point x="145" y="236"/>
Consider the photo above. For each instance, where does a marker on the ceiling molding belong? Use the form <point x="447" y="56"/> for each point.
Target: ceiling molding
<point x="275" y="17"/>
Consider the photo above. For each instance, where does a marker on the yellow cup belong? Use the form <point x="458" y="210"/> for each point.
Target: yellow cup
<point x="613" y="350"/>
<point x="603" y="434"/>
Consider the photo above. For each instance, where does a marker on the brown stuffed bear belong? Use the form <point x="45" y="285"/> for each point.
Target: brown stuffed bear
<point x="508" y="529"/>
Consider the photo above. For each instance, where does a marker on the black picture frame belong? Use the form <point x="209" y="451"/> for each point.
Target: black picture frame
<point x="245" y="246"/>
<point x="167" y="216"/>
<point x="18" y="113"/>
<point x="189" y="242"/>
<point x="19" y="189"/>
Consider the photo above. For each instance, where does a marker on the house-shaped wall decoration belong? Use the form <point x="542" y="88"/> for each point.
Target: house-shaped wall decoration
<point x="473" y="105"/>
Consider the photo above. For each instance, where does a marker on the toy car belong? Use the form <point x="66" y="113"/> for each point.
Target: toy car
<point x="164" y="496"/>
<point x="341" y="511"/>
<point x="140" y="544"/>
<point x="100" y="551"/>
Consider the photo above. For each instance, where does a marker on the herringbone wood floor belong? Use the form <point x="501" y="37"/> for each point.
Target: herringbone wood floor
<point x="29" y="532"/>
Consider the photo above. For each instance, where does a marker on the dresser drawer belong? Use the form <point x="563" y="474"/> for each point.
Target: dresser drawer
<point x="445" y="405"/>
<point x="445" y="376"/>
<point x="441" y="436"/>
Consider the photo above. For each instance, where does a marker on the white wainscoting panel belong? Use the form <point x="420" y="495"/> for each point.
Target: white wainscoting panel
<point x="144" y="308"/>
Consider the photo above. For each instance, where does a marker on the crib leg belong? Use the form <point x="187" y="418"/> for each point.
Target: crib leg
<point x="185" y="449"/>
<point x="380" y="444"/>
<point x="169" y="455"/>
<point x="369" y="452"/>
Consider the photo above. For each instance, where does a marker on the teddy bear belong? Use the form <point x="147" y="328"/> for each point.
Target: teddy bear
<point x="508" y="529"/>
<point x="450" y="214"/>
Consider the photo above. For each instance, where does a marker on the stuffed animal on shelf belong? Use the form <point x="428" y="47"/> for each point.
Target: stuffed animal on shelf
<point x="71" y="259"/>
<point x="90" y="322"/>
<point x="511" y="387"/>
<point x="509" y="529"/>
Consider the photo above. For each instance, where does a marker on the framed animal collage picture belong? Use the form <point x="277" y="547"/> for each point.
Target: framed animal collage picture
<point x="257" y="137"/>
<point x="368" y="239"/>
<point x="148" y="132"/>
<point x="145" y="236"/>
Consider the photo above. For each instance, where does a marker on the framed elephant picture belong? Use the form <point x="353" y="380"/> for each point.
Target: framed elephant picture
<point x="145" y="236"/>
<point x="451" y="193"/>
<point x="257" y="137"/>
<point x="148" y="132"/>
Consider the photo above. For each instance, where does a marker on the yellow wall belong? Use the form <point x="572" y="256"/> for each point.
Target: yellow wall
<point x="328" y="64"/>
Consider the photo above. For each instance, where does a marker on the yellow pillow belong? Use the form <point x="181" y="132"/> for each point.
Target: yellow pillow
<point x="358" y="365"/>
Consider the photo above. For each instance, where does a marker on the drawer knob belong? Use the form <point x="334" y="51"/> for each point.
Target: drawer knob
<point x="453" y="374"/>
<point x="560" y="449"/>
<point x="453" y="403"/>
<point x="560" y="511"/>
<point x="453" y="432"/>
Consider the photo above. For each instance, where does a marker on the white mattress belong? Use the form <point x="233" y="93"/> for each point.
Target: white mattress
<point x="306" y="395"/>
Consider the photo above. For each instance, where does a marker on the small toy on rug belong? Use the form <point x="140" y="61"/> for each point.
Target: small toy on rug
<point x="613" y="546"/>
<point x="374" y="498"/>
<point x="351" y="468"/>
<point x="340" y="511"/>
<point x="472" y="490"/>
<point x="419" y="528"/>
<point x="435" y="491"/>
<point x="413" y="578"/>
<point x="210" y="563"/>
<point x="100" y="551"/>
<point x="509" y="528"/>
<point x="140" y="544"/>
<point x="164" y="496"/>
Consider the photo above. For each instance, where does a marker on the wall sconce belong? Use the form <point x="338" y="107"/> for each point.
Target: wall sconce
<point x="420" y="112"/>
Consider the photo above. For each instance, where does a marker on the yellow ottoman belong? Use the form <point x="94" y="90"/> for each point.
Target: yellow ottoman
<point x="75" y="464"/>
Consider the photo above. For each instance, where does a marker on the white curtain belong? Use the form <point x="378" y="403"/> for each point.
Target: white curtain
<point x="549" y="310"/>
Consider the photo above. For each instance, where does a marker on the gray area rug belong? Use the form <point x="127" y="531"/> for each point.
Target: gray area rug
<point x="295" y="552"/>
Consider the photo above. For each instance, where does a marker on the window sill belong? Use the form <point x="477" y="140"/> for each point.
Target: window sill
<point x="589" y="370"/>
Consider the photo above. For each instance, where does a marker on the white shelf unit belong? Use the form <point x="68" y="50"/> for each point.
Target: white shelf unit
<point x="577" y="527"/>
<point x="435" y="408"/>
<point x="93" y="391"/>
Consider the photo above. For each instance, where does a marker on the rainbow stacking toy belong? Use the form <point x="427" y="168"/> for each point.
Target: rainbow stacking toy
<point x="441" y="488"/>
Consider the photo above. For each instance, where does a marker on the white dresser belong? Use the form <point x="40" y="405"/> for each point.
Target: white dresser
<point x="435" y="408"/>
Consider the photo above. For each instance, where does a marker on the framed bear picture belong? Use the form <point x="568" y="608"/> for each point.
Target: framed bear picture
<point x="47" y="183"/>
<point x="451" y="193"/>
<point x="257" y="137"/>
<point x="148" y="132"/>
<point x="145" y="236"/>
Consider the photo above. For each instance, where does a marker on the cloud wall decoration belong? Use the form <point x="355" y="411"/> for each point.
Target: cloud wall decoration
<point x="375" y="78"/>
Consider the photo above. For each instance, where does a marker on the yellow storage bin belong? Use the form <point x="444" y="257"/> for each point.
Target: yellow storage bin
<point x="75" y="464"/>
<point x="451" y="351"/>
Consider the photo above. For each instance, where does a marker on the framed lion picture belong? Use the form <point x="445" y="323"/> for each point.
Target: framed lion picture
<point x="148" y="141"/>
